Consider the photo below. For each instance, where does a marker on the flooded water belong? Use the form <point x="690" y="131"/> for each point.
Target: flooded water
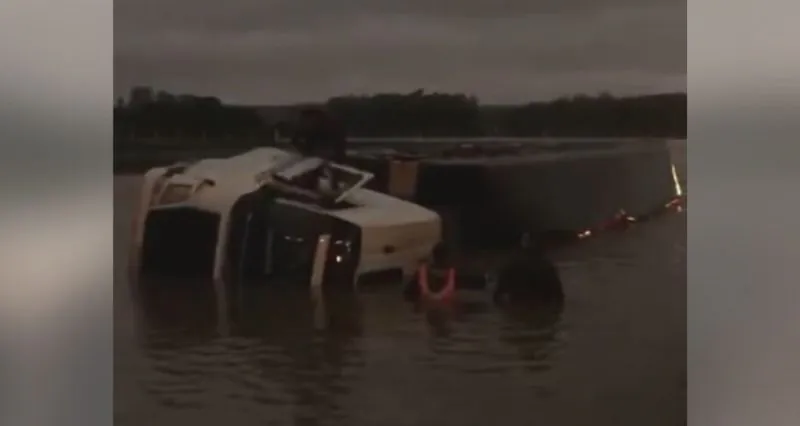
<point x="615" y="354"/>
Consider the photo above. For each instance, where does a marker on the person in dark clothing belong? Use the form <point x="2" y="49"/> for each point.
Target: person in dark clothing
<point x="529" y="276"/>
<point x="320" y="135"/>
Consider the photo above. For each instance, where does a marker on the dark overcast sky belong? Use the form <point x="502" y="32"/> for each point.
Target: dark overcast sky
<point x="280" y="51"/>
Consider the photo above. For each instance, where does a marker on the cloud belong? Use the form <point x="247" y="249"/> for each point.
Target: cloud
<point x="262" y="51"/>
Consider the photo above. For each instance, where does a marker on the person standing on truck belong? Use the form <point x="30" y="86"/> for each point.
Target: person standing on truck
<point x="320" y="135"/>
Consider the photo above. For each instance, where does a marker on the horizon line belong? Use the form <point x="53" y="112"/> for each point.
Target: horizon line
<point x="322" y="102"/>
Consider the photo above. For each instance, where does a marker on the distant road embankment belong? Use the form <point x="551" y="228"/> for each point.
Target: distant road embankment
<point x="135" y="156"/>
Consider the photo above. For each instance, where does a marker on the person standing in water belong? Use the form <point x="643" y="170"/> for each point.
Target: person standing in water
<point x="436" y="275"/>
<point x="529" y="276"/>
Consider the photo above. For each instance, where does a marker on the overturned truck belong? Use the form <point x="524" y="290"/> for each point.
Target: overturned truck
<point x="254" y="216"/>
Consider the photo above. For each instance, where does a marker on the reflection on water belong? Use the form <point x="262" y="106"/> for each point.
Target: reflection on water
<point x="613" y="354"/>
<point x="258" y="348"/>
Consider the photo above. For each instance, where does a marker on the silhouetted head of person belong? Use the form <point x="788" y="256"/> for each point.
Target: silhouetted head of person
<point x="440" y="255"/>
<point x="282" y="128"/>
<point x="531" y="245"/>
<point x="312" y="117"/>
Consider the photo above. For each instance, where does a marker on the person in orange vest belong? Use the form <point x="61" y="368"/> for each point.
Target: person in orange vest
<point x="435" y="279"/>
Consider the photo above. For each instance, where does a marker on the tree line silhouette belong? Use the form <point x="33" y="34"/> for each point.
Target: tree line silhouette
<point x="416" y="114"/>
<point x="184" y="117"/>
